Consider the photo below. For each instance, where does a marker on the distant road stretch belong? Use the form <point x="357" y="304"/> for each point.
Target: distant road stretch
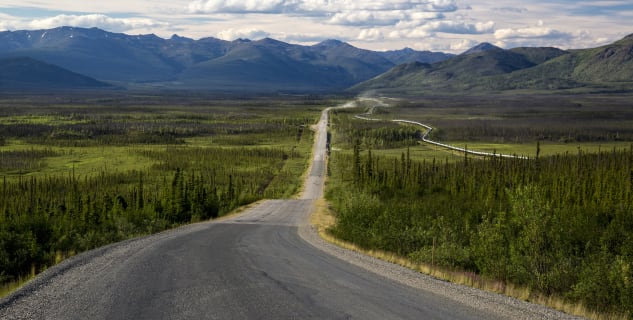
<point x="265" y="263"/>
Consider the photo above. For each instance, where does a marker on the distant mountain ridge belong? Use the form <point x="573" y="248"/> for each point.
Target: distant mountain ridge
<point x="487" y="68"/>
<point x="207" y="63"/>
<point x="408" y="55"/>
<point x="269" y="65"/>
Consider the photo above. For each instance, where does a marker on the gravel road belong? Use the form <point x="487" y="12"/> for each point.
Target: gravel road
<point x="265" y="263"/>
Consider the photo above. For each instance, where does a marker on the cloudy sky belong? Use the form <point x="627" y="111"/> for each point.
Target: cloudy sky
<point x="438" y="25"/>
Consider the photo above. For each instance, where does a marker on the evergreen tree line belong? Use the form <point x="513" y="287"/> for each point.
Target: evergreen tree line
<point x="560" y="225"/>
<point x="45" y="217"/>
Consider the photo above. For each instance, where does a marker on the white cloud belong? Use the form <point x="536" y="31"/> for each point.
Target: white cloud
<point x="245" y="33"/>
<point x="317" y="6"/>
<point x="386" y="16"/>
<point x="421" y="16"/>
<point x="96" y="20"/>
<point x="540" y="36"/>
<point x="417" y="19"/>
<point x="370" y="35"/>
<point x="511" y="10"/>
<point x="531" y="33"/>
<point x="6" y="25"/>
<point x="367" y="18"/>
<point x="460" y="27"/>
<point x="452" y="27"/>
<point x="462" y="45"/>
<point x="238" y="6"/>
<point x="441" y="5"/>
<point x="6" y="22"/>
<point x="333" y="6"/>
<point x="411" y="34"/>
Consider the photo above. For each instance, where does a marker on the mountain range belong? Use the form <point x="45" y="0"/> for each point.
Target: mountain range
<point x="207" y="63"/>
<point x="487" y="68"/>
<point x="68" y="57"/>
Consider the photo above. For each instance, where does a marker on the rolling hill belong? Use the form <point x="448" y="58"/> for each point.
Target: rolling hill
<point x="26" y="73"/>
<point x="486" y="68"/>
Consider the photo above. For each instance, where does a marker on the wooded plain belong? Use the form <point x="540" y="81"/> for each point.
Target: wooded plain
<point x="83" y="170"/>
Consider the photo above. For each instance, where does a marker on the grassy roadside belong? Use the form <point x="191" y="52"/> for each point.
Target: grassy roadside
<point x="324" y="218"/>
<point x="130" y="177"/>
<point x="8" y="288"/>
<point x="371" y="136"/>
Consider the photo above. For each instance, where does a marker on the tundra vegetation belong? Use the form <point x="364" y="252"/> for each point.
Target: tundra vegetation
<point x="558" y="224"/>
<point x="78" y="172"/>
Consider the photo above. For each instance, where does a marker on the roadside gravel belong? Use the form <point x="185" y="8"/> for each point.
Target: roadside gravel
<point x="504" y="306"/>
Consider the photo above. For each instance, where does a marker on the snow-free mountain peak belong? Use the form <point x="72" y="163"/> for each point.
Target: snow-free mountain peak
<point x="482" y="47"/>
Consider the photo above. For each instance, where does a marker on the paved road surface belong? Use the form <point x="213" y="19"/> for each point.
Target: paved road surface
<point x="251" y="266"/>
